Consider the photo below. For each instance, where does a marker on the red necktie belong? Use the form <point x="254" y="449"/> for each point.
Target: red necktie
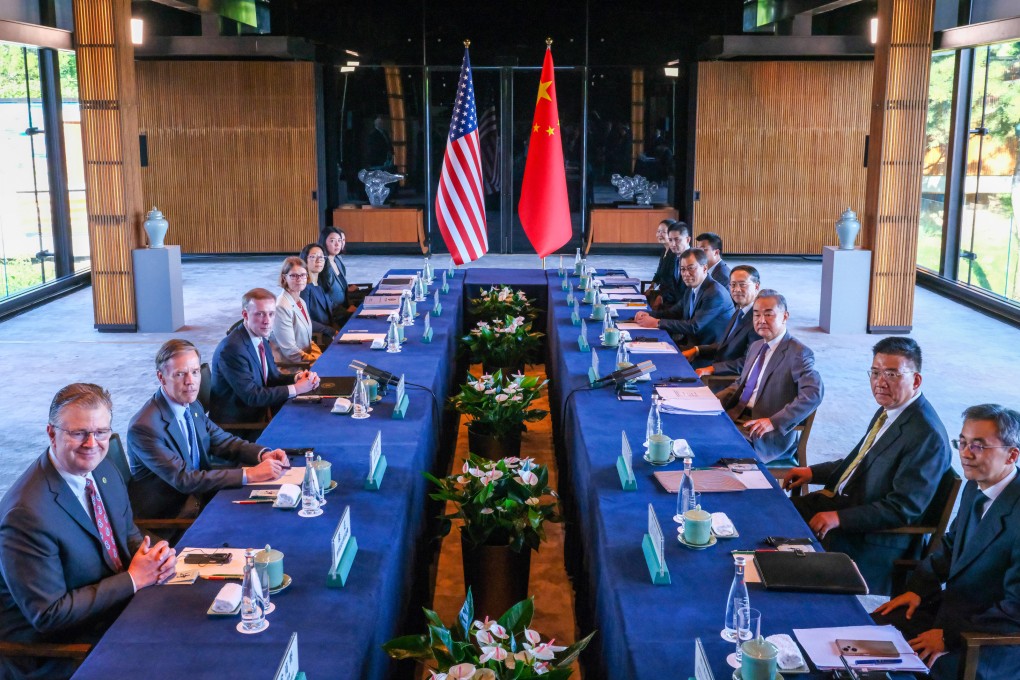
<point x="103" y="525"/>
<point x="303" y="312"/>
<point x="265" y="366"/>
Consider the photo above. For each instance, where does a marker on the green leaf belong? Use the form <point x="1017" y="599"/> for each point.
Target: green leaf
<point x="409" y="647"/>
<point x="433" y="618"/>
<point x="518" y="617"/>
<point x="467" y="615"/>
<point x="574" y="650"/>
<point x="440" y="634"/>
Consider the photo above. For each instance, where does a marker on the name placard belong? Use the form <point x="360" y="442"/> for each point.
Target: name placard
<point x="625" y="465"/>
<point x="289" y="668"/>
<point x="376" y="464"/>
<point x="400" y="410"/>
<point x="426" y="335"/>
<point x="654" y="549"/>
<point x="593" y="372"/>
<point x="582" y="338"/>
<point x="575" y="316"/>
<point x="437" y="307"/>
<point x="344" y="548"/>
<point x="702" y="669"/>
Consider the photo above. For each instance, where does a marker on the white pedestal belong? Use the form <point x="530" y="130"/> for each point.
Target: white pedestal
<point x="846" y="285"/>
<point x="159" y="294"/>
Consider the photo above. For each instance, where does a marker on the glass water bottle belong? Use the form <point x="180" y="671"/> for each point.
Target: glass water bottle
<point x="309" y="490"/>
<point x="685" y="496"/>
<point x="359" y="400"/>
<point x="737" y="598"/>
<point x="253" y="614"/>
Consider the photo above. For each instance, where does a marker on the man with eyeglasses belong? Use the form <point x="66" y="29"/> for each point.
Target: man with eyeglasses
<point x="171" y="444"/>
<point x="978" y="561"/>
<point x="247" y="387"/>
<point x="671" y="282"/>
<point x="889" y="478"/>
<point x="71" y="556"/>
<point x="726" y="357"/>
<point x="701" y="316"/>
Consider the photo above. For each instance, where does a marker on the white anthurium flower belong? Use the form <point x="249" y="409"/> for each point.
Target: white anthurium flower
<point x="437" y="676"/>
<point x="461" y="671"/>
<point x="484" y="674"/>
<point x="466" y="468"/>
<point x="491" y="476"/>
<point x="461" y="479"/>
<point x="484" y="637"/>
<point x="532" y="636"/>
<point x="511" y="461"/>
<point x="495" y="652"/>
<point x="518" y="376"/>
<point x="491" y="390"/>
<point x="501" y="397"/>
<point x="492" y="626"/>
<point x="541" y="668"/>
<point x="486" y="511"/>
<point x="475" y="472"/>
<point x="544" y="651"/>
<point x="517" y="397"/>
<point x="527" y="477"/>
<point x="487" y="377"/>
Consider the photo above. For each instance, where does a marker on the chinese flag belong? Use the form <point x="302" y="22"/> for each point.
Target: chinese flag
<point x="544" y="210"/>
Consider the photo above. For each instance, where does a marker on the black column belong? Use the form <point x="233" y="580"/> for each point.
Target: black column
<point x="56" y="161"/>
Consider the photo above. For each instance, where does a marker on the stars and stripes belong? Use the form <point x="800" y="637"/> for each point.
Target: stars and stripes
<point x="460" y="209"/>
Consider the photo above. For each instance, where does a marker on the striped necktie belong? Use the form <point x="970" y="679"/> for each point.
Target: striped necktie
<point x="265" y="364"/>
<point x="869" y="441"/>
<point x="103" y="525"/>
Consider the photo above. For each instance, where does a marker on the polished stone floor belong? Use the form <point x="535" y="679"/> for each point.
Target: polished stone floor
<point x="969" y="357"/>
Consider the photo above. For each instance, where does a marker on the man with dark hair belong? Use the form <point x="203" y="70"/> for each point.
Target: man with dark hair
<point x="778" y="385"/>
<point x="701" y="316"/>
<point x="888" y="479"/>
<point x="171" y="444"/>
<point x="247" y="387"/>
<point x="978" y="560"/>
<point x="70" y="554"/>
<point x="711" y="243"/>
<point x="726" y="357"/>
<point x="672" y="286"/>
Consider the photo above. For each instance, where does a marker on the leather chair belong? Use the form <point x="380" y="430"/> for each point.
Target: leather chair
<point x="76" y="651"/>
<point x="171" y="526"/>
<point x="779" y="472"/>
<point x="973" y="642"/>
<point x="250" y="431"/>
<point x="930" y="529"/>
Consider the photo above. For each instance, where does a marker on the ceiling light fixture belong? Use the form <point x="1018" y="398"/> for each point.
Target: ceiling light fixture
<point x="137" y="31"/>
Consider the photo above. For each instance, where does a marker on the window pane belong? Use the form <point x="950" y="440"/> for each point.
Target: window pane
<point x="75" y="163"/>
<point x="933" y="182"/>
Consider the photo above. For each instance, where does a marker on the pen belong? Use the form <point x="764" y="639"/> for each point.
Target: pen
<point x="219" y="577"/>
<point x="253" y="501"/>
<point x="876" y="662"/>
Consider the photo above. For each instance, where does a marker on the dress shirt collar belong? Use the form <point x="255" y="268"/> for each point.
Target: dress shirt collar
<point x="175" y="408"/>
<point x="994" y="490"/>
<point x="774" y="342"/>
<point x="748" y="308"/>
<point x="713" y="267"/>
<point x="75" y="482"/>
<point x="255" y="340"/>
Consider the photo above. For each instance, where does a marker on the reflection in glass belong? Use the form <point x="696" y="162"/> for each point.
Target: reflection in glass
<point x="75" y="163"/>
<point x="933" y="181"/>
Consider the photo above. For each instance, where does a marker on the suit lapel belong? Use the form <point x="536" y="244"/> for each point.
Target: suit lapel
<point x="993" y="524"/>
<point x="892" y="434"/>
<point x="66" y="499"/>
<point x="774" y="361"/>
<point x="172" y="427"/>
<point x="102" y="475"/>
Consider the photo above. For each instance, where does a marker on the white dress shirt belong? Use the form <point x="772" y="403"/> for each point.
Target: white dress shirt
<point x="996" y="489"/>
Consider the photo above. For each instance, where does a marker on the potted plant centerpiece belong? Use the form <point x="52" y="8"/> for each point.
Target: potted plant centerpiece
<point x="504" y="505"/>
<point x="479" y="648"/>
<point x="499" y="405"/>
<point x="504" y="344"/>
<point x="502" y="301"/>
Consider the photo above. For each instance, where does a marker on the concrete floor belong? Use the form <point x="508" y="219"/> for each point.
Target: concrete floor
<point x="969" y="357"/>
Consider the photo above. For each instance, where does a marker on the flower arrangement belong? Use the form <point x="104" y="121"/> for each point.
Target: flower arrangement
<point x="502" y="502"/>
<point x="505" y="649"/>
<point x="502" y="301"/>
<point x="508" y="341"/>
<point x="499" y="405"/>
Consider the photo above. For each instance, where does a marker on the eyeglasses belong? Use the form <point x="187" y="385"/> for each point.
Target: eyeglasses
<point x="316" y="258"/>
<point x="82" y="436"/>
<point x="691" y="269"/>
<point x="890" y="375"/>
<point x="178" y="376"/>
<point x="974" y="447"/>
<point x="297" y="277"/>
<point x="743" y="285"/>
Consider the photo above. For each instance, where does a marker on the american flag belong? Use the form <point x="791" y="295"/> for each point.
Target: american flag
<point x="460" y="210"/>
<point x="488" y="132"/>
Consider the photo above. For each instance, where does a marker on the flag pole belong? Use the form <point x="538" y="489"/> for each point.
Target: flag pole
<point x="548" y="44"/>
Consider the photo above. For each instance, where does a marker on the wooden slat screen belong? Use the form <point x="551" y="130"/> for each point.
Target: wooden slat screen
<point x="637" y="115"/>
<point x="779" y="152"/>
<point x="232" y="157"/>
<point x="109" y="131"/>
<point x="896" y="153"/>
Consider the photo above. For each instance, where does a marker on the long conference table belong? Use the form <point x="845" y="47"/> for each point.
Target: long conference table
<point x="644" y="631"/>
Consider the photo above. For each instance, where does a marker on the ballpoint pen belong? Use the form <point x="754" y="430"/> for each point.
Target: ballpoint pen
<point x="255" y="500"/>
<point x="876" y="662"/>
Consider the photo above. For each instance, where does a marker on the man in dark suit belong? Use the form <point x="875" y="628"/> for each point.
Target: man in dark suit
<point x="672" y="286"/>
<point x="978" y="561"/>
<point x="701" y="316"/>
<point x="246" y="384"/>
<point x="711" y="243"/>
<point x="70" y="554"/>
<point x="778" y="386"/>
<point x="888" y="479"/>
<point x="171" y="442"/>
<point x="726" y="357"/>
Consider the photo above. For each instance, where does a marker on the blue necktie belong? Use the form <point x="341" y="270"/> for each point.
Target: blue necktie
<point x="196" y="458"/>
<point x="975" y="516"/>
<point x="736" y="324"/>
<point x="676" y="269"/>
<point x="752" y="378"/>
<point x="691" y="303"/>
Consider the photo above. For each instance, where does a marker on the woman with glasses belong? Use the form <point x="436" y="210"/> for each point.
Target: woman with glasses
<point x="292" y="325"/>
<point x="316" y="295"/>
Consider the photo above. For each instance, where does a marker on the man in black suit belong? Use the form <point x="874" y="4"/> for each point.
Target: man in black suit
<point x="888" y="479"/>
<point x="247" y="386"/>
<point x="726" y="357"/>
<point x="701" y="316"/>
<point x="978" y="561"/>
<point x="70" y="554"/>
<point x="672" y="286"/>
<point x="711" y="243"/>
<point x="171" y="442"/>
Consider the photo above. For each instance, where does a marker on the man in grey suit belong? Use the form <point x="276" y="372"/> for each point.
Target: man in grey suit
<point x="978" y="561"/>
<point x="711" y="243"/>
<point x="171" y="444"/>
<point x="70" y="554"/>
<point x="726" y="357"/>
<point x="778" y="387"/>
<point x="889" y="478"/>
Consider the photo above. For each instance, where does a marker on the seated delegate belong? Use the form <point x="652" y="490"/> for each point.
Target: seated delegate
<point x="333" y="240"/>
<point x="888" y="479"/>
<point x="664" y="268"/>
<point x="71" y="556"/>
<point x="726" y="357"/>
<point x="711" y="243"/>
<point x="671" y="283"/>
<point x="315" y="296"/>
<point x="171" y="443"/>
<point x="292" y="324"/>
<point x="972" y="582"/>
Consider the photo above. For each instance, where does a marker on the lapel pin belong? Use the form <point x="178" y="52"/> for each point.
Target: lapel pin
<point x="104" y="480"/>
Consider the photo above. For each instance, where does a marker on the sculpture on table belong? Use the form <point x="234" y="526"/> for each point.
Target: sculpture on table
<point x="636" y="187"/>
<point x="375" y="184"/>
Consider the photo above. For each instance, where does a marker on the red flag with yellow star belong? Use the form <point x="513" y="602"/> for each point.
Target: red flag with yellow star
<point x="544" y="209"/>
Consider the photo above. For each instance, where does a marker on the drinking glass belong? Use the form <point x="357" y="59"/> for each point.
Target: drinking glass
<point x="748" y="627"/>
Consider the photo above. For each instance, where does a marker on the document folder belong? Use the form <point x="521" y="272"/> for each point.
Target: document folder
<point x="814" y="572"/>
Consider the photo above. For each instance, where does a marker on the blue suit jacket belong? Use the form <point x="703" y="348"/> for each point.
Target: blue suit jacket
<point x="981" y="574"/>
<point x="159" y="455"/>
<point x="336" y="289"/>
<point x="320" y="309"/>
<point x="712" y="309"/>
<point x="727" y="356"/>
<point x="238" y="393"/>
<point x="56" y="581"/>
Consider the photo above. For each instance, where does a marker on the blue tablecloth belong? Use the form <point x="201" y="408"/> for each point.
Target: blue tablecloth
<point x="648" y="631"/>
<point x="165" y="630"/>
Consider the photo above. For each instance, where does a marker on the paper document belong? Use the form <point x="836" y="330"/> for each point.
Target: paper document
<point x="361" y="337"/>
<point x="689" y="401"/>
<point x="627" y="306"/>
<point x="627" y="297"/>
<point x="377" y="313"/>
<point x="294" y="475"/>
<point x="628" y="326"/>
<point x="618" y="281"/>
<point x="622" y="290"/>
<point x="651" y="347"/>
<point x="820" y="645"/>
<point x="705" y="481"/>
<point x="684" y="393"/>
<point x="235" y="567"/>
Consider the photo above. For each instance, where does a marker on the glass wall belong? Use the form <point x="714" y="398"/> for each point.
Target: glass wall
<point x="75" y="161"/>
<point x="933" y="183"/>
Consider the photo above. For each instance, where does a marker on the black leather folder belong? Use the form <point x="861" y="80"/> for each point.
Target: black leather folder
<point x="812" y="572"/>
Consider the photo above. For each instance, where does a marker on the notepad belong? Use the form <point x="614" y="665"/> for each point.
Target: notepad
<point x="651" y="348"/>
<point x="705" y="481"/>
<point x="294" y="475"/>
<point x="361" y="337"/>
<point x="820" y="646"/>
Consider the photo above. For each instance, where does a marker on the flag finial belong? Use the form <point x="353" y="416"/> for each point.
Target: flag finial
<point x="467" y="44"/>
<point x="548" y="42"/>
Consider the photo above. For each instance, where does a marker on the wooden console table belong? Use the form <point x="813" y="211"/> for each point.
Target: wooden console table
<point x="380" y="225"/>
<point x="627" y="225"/>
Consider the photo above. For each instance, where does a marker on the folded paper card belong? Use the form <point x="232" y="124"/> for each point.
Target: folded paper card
<point x="227" y="599"/>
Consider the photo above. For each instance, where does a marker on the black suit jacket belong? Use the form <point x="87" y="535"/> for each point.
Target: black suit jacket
<point x="319" y="309"/>
<point x="671" y="287"/>
<point x="238" y="394"/>
<point x="158" y="453"/>
<point x="727" y="355"/>
<point x="665" y="267"/>
<point x="56" y="581"/>
<point x="892" y="487"/>
<point x="981" y="574"/>
<point x="336" y="288"/>
<point x="712" y="309"/>
<point x="721" y="273"/>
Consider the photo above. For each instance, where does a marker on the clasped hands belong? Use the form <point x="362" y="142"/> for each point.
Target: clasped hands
<point x="152" y="563"/>
<point x="272" y="466"/>
<point x="930" y="644"/>
<point x="646" y="320"/>
<point x="305" y="381"/>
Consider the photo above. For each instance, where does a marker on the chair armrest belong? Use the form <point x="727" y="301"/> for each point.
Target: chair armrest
<point x="912" y="531"/>
<point x="645" y="285"/>
<point x="49" y="650"/>
<point x="156" y="524"/>
<point x="974" y="641"/>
